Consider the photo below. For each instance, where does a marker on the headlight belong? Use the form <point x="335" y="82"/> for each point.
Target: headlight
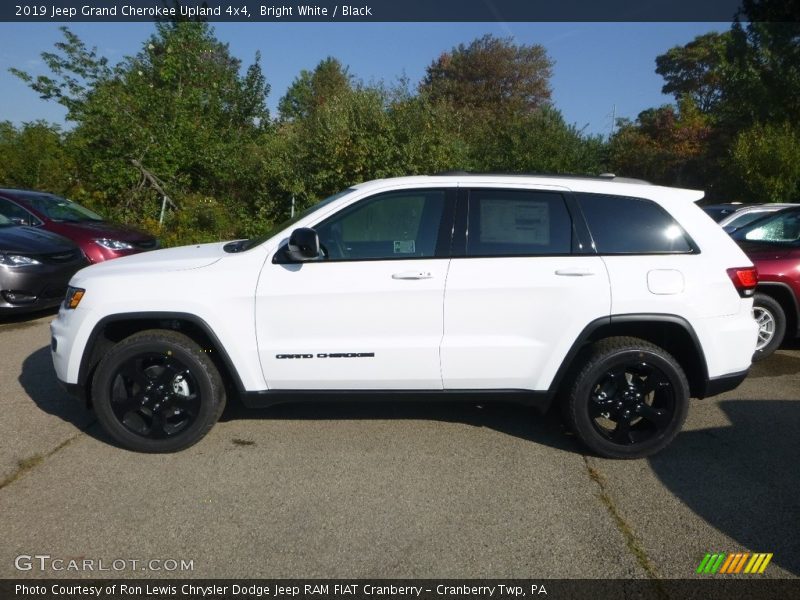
<point x="74" y="296"/>
<point x="113" y="244"/>
<point x="17" y="260"/>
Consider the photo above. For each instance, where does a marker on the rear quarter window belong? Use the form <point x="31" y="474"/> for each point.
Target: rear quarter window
<point x="626" y="225"/>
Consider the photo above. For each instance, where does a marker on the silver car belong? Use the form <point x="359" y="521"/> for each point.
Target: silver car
<point x="35" y="267"/>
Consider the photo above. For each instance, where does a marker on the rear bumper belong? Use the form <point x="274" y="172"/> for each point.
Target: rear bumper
<point x="725" y="383"/>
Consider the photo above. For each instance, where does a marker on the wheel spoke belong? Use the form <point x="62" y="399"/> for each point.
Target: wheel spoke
<point x="598" y="409"/>
<point x="158" y="427"/>
<point x="656" y="380"/>
<point x="132" y="372"/>
<point x="657" y="416"/>
<point x="622" y="432"/>
<point x="169" y="369"/>
<point x="123" y="406"/>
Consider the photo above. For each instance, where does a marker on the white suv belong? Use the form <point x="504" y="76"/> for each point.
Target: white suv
<point x="619" y="299"/>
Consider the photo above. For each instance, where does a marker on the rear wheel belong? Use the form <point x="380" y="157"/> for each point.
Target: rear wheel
<point x="771" y="320"/>
<point x="629" y="399"/>
<point x="157" y="391"/>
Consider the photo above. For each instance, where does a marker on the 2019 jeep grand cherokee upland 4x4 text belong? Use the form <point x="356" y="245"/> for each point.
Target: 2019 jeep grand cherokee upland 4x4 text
<point x="620" y="300"/>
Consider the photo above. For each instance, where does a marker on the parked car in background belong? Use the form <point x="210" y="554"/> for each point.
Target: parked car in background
<point x="750" y="213"/>
<point x="720" y="211"/>
<point x="35" y="267"/>
<point x="773" y="244"/>
<point x="98" y="239"/>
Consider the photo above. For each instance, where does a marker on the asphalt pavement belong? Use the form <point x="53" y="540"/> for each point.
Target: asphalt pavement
<point x="390" y="490"/>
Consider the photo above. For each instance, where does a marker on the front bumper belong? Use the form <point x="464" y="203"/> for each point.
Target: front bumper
<point x="68" y="338"/>
<point x="34" y="287"/>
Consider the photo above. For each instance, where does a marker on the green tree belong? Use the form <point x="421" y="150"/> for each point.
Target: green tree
<point x="696" y="70"/>
<point x="180" y="108"/>
<point x="34" y="156"/>
<point x="492" y="76"/>
<point x="312" y="89"/>
<point x="538" y="142"/>
<point x="765" y="163"/>
<point x="664" y="145"/>
<point x="762" y="84"/>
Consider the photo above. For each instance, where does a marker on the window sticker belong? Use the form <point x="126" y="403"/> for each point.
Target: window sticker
<point x="513" y="222"/>
<point x="404" y="247"/>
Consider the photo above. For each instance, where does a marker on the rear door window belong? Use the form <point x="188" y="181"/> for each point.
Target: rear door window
<point x="517" y="223"/>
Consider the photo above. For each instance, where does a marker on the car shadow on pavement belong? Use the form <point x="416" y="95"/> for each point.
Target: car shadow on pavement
<point x="514" y="420"/>
<point x="11" y="318"/>
<point x="743" y="478"/>
<point x="39" y="381"/>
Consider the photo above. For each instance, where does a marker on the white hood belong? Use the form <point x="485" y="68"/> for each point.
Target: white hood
<point x="158" y="261"/>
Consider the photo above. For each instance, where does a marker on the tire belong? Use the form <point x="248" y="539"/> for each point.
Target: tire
<point x="771" y="320"/>
<point x="157" y="391"/>
<point x="629" y="399"/>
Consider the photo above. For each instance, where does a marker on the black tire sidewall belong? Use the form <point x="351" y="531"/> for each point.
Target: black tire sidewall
<point x="209" y="394"/>
<point x="580" y="398"/>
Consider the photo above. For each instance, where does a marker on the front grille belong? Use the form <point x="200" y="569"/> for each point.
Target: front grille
<point x="53" y="291"/>
<point x="61" y="258"/>
<point x="145" y="244"/>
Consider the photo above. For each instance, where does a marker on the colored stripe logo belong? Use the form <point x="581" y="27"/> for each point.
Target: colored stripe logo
<point x="734" y="563"/>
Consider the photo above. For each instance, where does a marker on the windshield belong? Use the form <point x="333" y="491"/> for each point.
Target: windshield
<point x="782" y="227"/>
<point x="60" y="209"/>
<point x="252" y="243"/>
<point x="746" y="218"/>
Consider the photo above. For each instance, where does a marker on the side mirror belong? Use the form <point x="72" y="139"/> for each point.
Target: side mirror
<point x="303" y="245"/>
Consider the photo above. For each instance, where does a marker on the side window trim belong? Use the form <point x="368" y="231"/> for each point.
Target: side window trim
<point x="443" y="240"/>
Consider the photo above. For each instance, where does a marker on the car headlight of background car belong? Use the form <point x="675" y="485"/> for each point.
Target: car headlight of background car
<point x="17" y="260"/>
<point x="113" y="244"/>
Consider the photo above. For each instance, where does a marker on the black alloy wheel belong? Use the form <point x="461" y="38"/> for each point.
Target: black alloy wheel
<point x="632" y="403"/>
<point x="628" y="400"/>
<point x="157" y="391"/>
<point x="155" y="395"/>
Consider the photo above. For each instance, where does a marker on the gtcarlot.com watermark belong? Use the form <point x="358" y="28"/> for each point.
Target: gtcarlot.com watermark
<point x="47" y="563"/>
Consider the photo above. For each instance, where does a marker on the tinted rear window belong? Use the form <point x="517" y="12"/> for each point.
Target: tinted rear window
<point x="624" y="225"/>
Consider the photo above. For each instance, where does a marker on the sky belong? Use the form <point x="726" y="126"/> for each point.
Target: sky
<point x="601" y="69"/>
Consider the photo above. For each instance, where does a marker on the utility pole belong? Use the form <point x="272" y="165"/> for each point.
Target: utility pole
<point x="613" y="119"/>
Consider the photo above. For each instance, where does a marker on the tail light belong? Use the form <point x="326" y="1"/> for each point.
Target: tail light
<point x="744" y="280"/>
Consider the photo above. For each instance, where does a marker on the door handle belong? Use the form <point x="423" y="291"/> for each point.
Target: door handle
<point x="574" y="272"/>
<point x="413" y="275"/>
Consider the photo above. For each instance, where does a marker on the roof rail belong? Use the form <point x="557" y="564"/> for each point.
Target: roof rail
<point x="601" y="176"/>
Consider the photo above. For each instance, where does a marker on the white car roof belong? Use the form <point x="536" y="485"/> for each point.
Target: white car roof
<point x="597" y="185"/>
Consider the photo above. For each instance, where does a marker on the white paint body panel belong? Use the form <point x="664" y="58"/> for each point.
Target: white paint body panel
<point x="351" y="307"/>
<point x="508" y="322"/>
<point x="475" y="323"/>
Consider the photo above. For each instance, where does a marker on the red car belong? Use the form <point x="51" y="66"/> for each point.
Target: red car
<point x="99" y="239"/>
<point x="773" y="244"/>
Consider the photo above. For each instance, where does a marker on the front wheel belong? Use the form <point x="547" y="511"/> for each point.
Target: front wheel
<point x="157" y="391"/>
<point x="629" y="399"/>
<point x="771" y="320"/>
